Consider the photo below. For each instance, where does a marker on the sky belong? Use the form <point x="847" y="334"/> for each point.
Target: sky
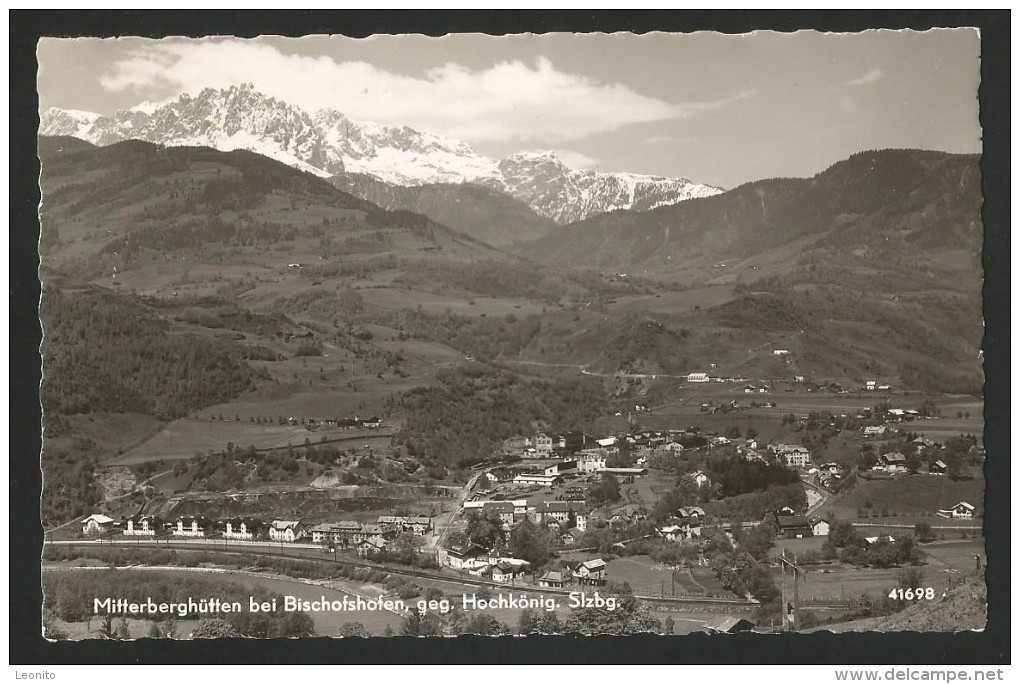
<point x="713" y="108"/>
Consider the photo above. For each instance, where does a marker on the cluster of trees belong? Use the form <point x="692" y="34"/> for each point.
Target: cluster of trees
<point x="849" y="546"/>
<point x="733" y="475"/>
<point x="473" y="409"/>
<point x="494" y="278"/>
<point x="107" y="353"/>
<point x="485" y="337"/>
<point x="605" y="490"/>
<point x="744" y="569"/>
<point x="70" y="489"/>
<point x="754" y="505"/>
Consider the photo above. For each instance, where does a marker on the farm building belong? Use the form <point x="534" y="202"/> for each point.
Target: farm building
<point x="697" y="377"/>
<point x="96" y="524"/>
<point x="286" y="530"/>
<point x="961" y="511"/>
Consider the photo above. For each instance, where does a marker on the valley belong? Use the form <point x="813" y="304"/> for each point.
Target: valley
<point x="231" y="338"/>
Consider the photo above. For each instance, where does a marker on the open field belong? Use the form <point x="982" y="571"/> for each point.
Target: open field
<point x="909" y="495"/>
<point x="461" y="304"/>
<point x="184" y="438"/>
<point x="644" y="575"/>
<point x="673" y="302"/>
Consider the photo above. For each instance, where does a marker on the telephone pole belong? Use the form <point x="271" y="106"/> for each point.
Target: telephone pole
<point x="797" y="571"/>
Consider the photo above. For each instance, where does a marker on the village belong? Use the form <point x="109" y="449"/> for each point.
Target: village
<point x="553" y="510"/>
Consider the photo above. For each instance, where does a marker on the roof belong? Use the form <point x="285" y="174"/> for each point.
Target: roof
<point x="965" y="505"/>
<point x="285" y="524"/>
<point x="594" y="564"/>
<point x="894" y="457"/>
<point x="498" y="507"/>
<point x="553" y="576"/>
<point x="562" y="506"/>
<point x="791" y="521"/>
<point x="463" y="550"/>
<point x="98" y="518"/>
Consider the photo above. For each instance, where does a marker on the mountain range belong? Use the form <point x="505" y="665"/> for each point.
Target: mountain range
<point x="329" y="144"/>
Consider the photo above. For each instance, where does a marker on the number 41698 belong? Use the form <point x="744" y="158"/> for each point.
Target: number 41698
<point x="926" y="593"/>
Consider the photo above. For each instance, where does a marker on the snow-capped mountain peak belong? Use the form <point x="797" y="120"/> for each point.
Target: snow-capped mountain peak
<point x="328" y="143"/>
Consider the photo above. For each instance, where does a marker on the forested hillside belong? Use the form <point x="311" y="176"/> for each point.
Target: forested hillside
<point x="107" y="353"/>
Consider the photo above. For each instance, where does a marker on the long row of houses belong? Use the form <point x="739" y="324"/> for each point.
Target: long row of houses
<point x="343" y="533"/>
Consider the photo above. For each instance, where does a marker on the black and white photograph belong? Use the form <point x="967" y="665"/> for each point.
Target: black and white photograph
<point x="563" y="333"/>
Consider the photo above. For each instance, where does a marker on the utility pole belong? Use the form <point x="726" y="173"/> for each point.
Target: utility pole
<point x="797" y="571"/>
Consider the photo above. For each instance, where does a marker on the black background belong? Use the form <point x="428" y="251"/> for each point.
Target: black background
<point x="28" y="647"/>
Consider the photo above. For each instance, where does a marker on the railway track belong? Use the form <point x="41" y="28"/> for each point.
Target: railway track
<point x="275" y="552"/>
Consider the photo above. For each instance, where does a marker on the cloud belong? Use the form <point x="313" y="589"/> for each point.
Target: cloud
<point x="576" y="160"/>
<point x="870" y="77"/>
<point x="508" y="101"/>
<point x="673" y="139"/>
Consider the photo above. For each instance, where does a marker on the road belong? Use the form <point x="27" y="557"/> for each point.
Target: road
<point x="461" y="500"/>
<point x="825" y="494"/>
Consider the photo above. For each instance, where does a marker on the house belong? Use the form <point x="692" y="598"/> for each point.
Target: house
<point x="190" y="526"/>
<point x="894" y="461"/>
<point x="700" y="478"/>
<point x="243" y="529"/>
<point x="874" y="430"/>
<point x="675" y="533"/>
<point x="345" y="533"/>
<point x="459" y="556"/>
<point x="793" y="526"/>
<point x="691" y="512"/>
<point x="606" y="442"/>
<point x="591" y="460"/>
<point x="554" y="578"/>
<point x="96" y="524"/>
<point x="142" y="526"/>
<point x="572" y="537"/>
<point x="591" y="572"/>
<point x="729" y="624"/>
<point x="697" y="377"/>
<point x="672" y="449"/>
<point x="793" y="455"/>
<point x="560" y="512"/>
<point x="368" y="547"/>
<point x="780" y="352"/>
<point x="543" y="444"/>
<point x="286" y="530"/>
<point x="961" y="511"/>
<point x="509" y="569"/>
<point x="938" y="468"/>
<point x="415" y="524"/>
<point x="504" y="510"/>
<point x="820" y="528"/>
